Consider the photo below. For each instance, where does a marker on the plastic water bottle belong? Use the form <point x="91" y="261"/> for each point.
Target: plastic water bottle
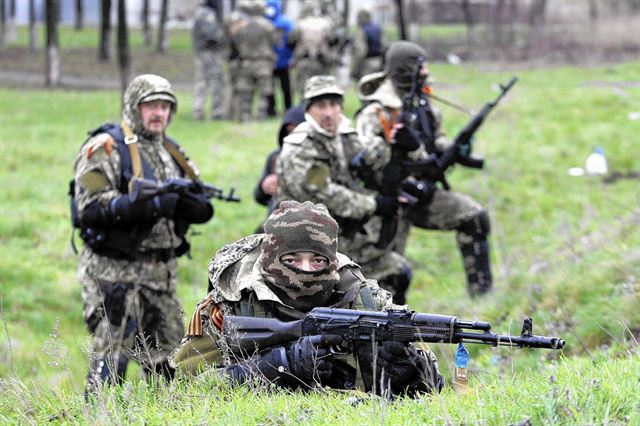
<point x="596" y="163"/>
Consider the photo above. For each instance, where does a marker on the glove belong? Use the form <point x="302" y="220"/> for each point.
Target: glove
<point x="193" y="208"/>
<point x="386" y="205"/>
<point x="123" y="212"/>
<point x="405" y="140"/>
<point x="403" y="368"/>
<point x="310" y="359"/>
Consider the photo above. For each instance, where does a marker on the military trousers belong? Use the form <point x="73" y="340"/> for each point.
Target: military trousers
<point x="131" y="321"/>
<point x="210" y="81"/>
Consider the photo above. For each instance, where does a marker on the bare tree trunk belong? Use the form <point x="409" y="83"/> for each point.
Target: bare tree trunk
<point x="79" y="15"/>
<point x="11" y="34"/>
<point x="3" y="22"/>
<point x="498" y="22"/>
<point x="161" y="47"/>
<point x="233" y="5"/>
<point x="345" y="14"/>
<point x="593" y="11"/>
<point x="104" y="50"/>
<point x="537" y="13"/>
<point x="52" y="77"/>
<point x="146" y="29"/>
<point x="220" y="11"/>
<point x="33" y="34"/>
<point x="468" y="21"/>
<point x="402" y="29"/>
<point x="123" y="45"/>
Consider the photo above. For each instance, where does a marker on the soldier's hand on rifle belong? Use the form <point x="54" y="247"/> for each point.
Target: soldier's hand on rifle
<point x="465" y="149"/>
<point x="403" y="138"/>
<point x="310" y="358"/>
<point x="402" y="367"/>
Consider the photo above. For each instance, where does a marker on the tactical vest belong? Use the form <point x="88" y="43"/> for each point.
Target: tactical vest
<point x="374" y="45"/>
<point x="123" y="243"/>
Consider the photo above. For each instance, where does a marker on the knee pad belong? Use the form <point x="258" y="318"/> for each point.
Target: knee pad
<point x="477" y="227"/>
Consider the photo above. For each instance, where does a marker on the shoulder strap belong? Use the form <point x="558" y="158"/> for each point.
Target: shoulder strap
<point x="181" y="158"/>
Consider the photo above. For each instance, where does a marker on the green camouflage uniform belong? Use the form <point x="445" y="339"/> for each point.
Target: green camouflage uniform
<point x="448" y="210"/>
<point x="313" y="36"/>
<point x="130" y="306"/>
<point x="210" y="79"/>
<point x="314" y="166"/>
<point x="242" y="274"/>
<point x="252" y="38"/>
<point x="361" y="63"/>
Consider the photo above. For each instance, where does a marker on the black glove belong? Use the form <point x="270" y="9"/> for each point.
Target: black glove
<point x="193" y="208"/>
<point x="123" y="212"/>
<point x="402" y="367"/>
<point x="406" y="140"/>
<point x="310" y="359"/>
<point x="387" y="205"/>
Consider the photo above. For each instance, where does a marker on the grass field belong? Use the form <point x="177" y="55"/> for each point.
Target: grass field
<point x="565" y="251"/>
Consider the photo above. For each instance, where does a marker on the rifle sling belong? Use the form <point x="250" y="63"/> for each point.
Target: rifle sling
<point x="131" y="139"/>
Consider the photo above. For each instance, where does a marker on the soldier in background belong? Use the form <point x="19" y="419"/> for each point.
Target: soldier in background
<point x="128" y="267"/>
<point x="314" y="40"/>
<point x="382" y="93"/>
<point x="252" y="39"/>
<point x="208" y="41"/>
<point x="314" y="166"/>
<point x="284" y="54"/>
<point x="368" y="47"/>
<point x="284" y="273"/>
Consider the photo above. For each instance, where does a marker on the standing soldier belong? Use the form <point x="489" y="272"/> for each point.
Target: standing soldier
<point x="314" y="38"/>
<point x="442" y="210"/>
<point x="368" y="47"/>
<point x="253" y="38"/>
<point x="208" y="41"/>
<point x="314" y="166"/>
<point x="128" y="266"/>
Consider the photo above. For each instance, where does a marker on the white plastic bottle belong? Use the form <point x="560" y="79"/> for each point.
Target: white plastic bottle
<point x="596" y="163"/>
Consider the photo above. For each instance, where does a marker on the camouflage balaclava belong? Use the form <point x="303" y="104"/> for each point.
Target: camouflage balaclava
<point x="295" y="227"/>
<point x="146" y="88"/>
<point x="400" y="60"/>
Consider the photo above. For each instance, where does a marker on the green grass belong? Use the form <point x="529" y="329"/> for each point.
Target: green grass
<point x="565" y="251"/>
<point x="88" y="37"/>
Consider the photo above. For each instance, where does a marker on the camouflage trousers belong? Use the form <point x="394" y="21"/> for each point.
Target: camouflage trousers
<point x="251" y="78"/>
<point x="366" y="66"/>
<point x="306" y="68"/>
<point x="446" y="212"/>
<point x="210" y="80"/>
<point x="391" y="269"/>
<point x="130" y="321"/>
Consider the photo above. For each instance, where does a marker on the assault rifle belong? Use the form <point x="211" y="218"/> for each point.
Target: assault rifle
<point x="248" y="334"/>
<point x="144" y="188"/>
<point x="434" y="167"/>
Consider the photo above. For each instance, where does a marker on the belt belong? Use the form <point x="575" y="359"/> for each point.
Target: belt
<point x="158" y="255"/>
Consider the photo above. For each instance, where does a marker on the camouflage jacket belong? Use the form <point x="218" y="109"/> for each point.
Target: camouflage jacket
<point x="314" y="166"/>
<point x="382" y="105"/>
<point x="240" y="289"/>
<point x="252" y="37"/>
<point x="206" y="33"/>
<point x="98" y="177"/>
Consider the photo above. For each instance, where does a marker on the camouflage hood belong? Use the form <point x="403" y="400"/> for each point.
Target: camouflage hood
<point x="379" y="88"/>
<point x="400" y="60"/>
<point x="145" y="88"/>
<point x="295" y="227"/>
